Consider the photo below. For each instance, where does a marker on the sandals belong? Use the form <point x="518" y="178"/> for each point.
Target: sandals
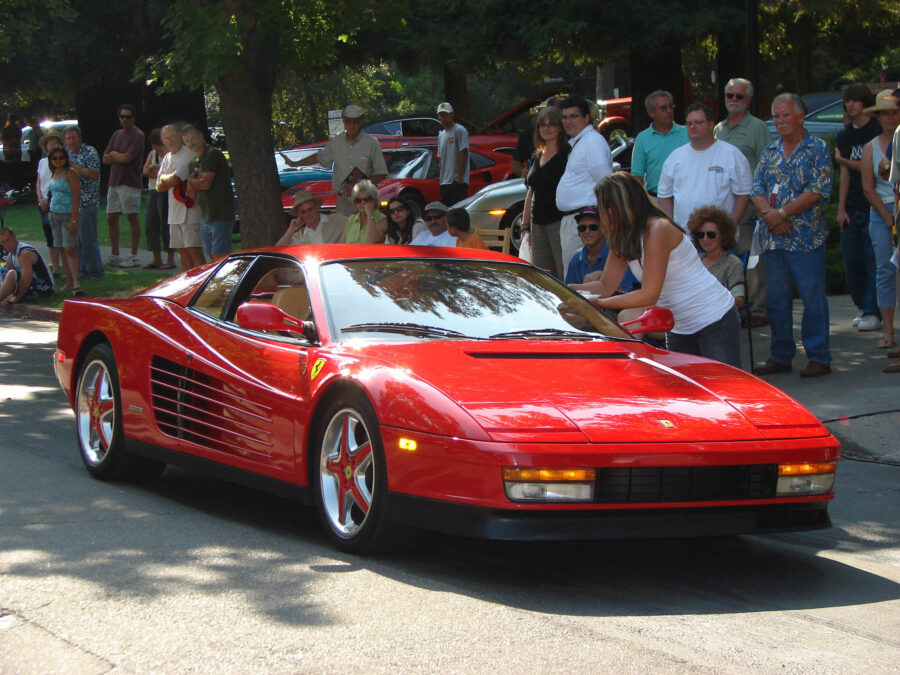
<point x="167" y="266"/>
<point x="886" y="343"/>
<point x="152" y="266"/>
<point x="78" y="291"/>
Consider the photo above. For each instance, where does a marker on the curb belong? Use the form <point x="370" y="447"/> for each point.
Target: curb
<point x="32" y="311"/>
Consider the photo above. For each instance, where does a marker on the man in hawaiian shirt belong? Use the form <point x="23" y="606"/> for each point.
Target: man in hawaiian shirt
<point x="790" y="189"/>
<point x="85" y="160"/>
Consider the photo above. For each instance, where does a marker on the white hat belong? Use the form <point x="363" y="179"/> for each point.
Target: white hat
<point x="352" y="112"/>
<point x="445" y="107"/>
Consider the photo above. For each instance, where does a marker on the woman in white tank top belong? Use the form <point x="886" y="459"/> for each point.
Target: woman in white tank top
<point x="666" y="263"/>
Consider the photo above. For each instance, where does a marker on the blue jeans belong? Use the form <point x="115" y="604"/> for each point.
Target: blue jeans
<point x="859" y="261"/>
<point x="806" y="271"/>
<point x="89" y="262"/>
<point x="216" y="237"/>
<point x="885" y="271"/>
<point x="720" y="340"/>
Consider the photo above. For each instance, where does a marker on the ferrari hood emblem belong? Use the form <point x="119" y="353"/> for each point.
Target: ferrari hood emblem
<point x="667" y="424"/>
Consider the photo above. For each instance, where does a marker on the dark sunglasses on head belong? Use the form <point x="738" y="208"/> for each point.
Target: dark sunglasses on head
<point x="397" y="209"/>
<point x="739" y="97"/>
<point x="593" y="227"/>
<point x="432" y="217"/>
<point x="125" y="117"/>
<point x="701" y="235"/>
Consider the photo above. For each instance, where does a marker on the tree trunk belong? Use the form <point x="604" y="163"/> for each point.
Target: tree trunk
<point x="652" y="71"/>
<point x="456" y="88"/>
<point x="801" y="36"/>
<point x="245" y="99"/>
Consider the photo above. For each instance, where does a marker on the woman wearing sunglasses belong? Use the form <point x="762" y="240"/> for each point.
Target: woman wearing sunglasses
<point x="402" y="225"/>
<point x="65" y="198"/>
<point x="643" y="238"/>
<point x="368" y="225"/>
<point x="713" y="230"/>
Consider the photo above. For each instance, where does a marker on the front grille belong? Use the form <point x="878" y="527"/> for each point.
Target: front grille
<point x="685" y="484"/>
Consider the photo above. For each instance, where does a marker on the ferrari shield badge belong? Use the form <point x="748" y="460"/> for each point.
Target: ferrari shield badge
<point x="666" y="423"/>
<point x="316" y="369"/>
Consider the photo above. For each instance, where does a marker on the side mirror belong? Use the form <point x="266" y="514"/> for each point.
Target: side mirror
<point x="653" y="320"/>
<point x="263" y="316"/>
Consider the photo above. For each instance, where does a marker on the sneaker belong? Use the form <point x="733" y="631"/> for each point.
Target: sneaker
<point x="113" y="261"/>
<point x="869" y="322"/>
<point x="858" y="318"/>
<point x="131" y="261"/>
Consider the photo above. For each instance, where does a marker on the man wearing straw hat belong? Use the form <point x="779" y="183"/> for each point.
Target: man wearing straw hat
<point x="308" y="225"/>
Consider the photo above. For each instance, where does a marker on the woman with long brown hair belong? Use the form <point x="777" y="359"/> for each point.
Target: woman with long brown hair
<point x="540" y="216"/>
<point x="663" y="258"/>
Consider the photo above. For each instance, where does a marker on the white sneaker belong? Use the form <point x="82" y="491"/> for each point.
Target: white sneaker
<point x="858" y="318"/>
<point x="869" y="322"/>
<point x="131" y="261"/>
<point x="113" y="261"/>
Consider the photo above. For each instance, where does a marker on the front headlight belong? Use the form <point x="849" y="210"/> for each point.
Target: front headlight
<point x="549" y="485"/>
<point x="805" y="479"/>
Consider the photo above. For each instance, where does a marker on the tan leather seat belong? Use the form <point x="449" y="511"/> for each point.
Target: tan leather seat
<point x="293" y="300"/>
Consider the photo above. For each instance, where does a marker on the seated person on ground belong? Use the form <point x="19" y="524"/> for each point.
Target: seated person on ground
<point x="26" y="275"/>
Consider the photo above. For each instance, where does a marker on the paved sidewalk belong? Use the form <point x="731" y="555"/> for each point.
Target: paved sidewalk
<point x="857" y="402"/>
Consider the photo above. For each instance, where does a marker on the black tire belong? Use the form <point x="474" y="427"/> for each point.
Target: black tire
<point x="512" y="220"/>
<point x="98" y="422"/>
<point x="350" y="479"/>
<point x="615" y="131"/>
<point x="415" y="200"/>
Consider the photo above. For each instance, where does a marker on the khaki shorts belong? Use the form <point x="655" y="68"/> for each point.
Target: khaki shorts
<point x="123" y="199"/>
<point x="185" y="235"/>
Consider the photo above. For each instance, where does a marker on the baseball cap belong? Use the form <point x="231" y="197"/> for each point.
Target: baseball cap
<point x="445" y="107"/>
<point x="587" y="211"/>
<point x="436" y="206"/>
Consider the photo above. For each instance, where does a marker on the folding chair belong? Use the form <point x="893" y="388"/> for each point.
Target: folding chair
<point x="496" y="240"/>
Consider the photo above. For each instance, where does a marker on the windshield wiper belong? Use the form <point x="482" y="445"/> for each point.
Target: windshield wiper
<point x="546" y="333"/>
<point x="407" y="329"/>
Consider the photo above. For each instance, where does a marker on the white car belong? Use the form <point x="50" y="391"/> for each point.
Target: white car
<point x="499" y="206"/>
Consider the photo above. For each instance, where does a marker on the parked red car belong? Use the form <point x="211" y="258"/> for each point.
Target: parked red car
<point x="459" y="391"/>
<point x="413" y="175"/>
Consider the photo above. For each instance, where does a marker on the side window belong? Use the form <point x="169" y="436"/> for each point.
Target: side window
<point x="285" y="288"/>
<point x="477" y="161"/>
<point x="214" y="296"/>
<point x="833" y="113"/>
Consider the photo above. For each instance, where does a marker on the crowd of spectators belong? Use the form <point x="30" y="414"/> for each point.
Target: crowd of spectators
<point x="713" y="216"/>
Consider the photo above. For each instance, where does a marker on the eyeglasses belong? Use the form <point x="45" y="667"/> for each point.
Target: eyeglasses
<point x="701" y="235"/>
<point x="360" y="200"/>
<point x="125" y="117"/>
<point x="593" y="227"/>
<point x="730" y="95"/>
<point x="548" y="125"/>
<point x="433" y="217"/>
<point x="397" y="209"/>
<point x="696" y="123"/>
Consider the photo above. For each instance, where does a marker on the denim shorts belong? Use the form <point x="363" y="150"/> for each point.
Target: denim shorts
<point x="62" y="238"/>
<point x="216" y="237"/>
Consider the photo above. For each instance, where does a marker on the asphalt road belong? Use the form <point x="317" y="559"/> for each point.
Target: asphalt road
<point x="188" y="574"/>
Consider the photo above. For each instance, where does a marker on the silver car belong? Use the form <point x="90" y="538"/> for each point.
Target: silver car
<point x="499" y="206"/>
<point x="825" y="116"/>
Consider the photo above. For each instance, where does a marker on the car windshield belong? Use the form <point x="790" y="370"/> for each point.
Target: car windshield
<point x="445" y="299"/>
<point x="294" y="155"/>
<point x="408" y="163"/>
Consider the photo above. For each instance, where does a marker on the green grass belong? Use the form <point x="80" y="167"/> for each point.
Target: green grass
<point x="25" y="221"/>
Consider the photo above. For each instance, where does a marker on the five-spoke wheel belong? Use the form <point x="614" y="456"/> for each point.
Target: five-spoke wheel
<point x="347" y="472"/>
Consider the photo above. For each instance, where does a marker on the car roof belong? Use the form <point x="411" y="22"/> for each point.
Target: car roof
<point x="324" y="253"/>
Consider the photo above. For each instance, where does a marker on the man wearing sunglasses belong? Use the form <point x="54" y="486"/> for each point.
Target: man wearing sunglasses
<point x="592" y="257"/>
<point x="750" y="135"/>
<point x="125" y="156"/>
<point x="436" y="235"/>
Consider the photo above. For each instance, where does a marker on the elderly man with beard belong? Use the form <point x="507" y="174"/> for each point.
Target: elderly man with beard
<point x="750" y="135"/>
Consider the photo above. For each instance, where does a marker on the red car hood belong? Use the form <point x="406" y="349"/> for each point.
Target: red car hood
<point x="601" y="392"/>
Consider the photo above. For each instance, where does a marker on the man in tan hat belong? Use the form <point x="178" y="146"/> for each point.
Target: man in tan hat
<point x="355" y="154"/>
<point x="308" y="225"/>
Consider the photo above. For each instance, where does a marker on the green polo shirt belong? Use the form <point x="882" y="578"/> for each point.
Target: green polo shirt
<point x="750" y="136"/>
<point x="651" y="149"/>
